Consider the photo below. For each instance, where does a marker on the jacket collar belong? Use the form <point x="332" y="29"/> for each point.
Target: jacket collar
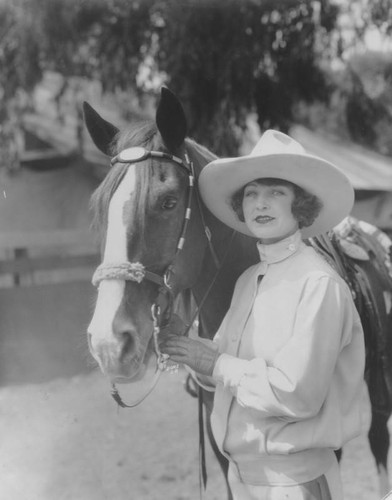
<point x="276" y="252"/>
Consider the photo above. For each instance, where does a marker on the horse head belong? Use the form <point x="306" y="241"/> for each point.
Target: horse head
<point x="152" y="247"/>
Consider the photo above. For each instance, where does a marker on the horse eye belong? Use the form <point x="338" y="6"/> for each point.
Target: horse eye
<point x="169" y="203"/>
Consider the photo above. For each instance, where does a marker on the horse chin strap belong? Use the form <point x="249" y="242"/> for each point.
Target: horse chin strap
<point x="135" y="271"/>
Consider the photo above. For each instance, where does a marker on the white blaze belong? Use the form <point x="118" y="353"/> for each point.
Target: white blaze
<point x="110" y="292"/>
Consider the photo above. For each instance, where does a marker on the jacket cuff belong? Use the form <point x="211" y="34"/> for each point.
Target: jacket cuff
<point x="229" y="370"/>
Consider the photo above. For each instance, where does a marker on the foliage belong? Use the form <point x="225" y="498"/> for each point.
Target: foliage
<point x="224" y="58"/>
<point x="360" y="107"/>
<point x="233" y="57"/>
<point x="98" y="39"/>
<point x="19" y="49"/>
<point x="369" y="104"/>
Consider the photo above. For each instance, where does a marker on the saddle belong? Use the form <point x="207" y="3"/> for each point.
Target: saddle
<point x="348" y="247"/>
<point x="361" y="254"/>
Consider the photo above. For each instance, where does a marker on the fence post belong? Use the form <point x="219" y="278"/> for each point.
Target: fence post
<point x="19" y="253"/>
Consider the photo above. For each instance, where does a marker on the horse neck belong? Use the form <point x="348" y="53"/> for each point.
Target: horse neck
<point x="235" y="253"/>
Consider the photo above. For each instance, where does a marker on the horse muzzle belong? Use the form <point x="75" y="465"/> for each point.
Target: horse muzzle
<point x="120" y="359"/>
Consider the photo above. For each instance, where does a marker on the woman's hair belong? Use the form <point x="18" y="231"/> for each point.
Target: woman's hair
<point x="305" y="207"/>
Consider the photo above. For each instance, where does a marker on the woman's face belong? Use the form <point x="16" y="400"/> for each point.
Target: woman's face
<point x="267" y="211"/>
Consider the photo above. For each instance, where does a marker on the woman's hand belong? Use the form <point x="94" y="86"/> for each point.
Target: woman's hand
<point x="199" y="355"/>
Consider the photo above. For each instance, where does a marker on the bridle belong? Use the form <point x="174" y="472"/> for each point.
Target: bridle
<point x="135" y="271"/>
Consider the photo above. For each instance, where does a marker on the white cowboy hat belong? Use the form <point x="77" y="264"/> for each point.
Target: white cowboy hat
<point x="277" y="155"/>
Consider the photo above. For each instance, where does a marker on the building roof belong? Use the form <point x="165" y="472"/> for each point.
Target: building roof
<point x="366" y="169"/>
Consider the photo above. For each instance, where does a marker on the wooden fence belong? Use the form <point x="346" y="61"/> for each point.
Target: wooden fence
<point x="46" y="257"/>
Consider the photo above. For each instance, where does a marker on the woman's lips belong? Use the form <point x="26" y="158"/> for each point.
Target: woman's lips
<point x="263" y="219"/>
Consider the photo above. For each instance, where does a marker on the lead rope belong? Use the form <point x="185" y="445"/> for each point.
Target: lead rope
<point x="202" y="449"/>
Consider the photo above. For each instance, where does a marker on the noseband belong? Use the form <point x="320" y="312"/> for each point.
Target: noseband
<point x="135" y="271"/>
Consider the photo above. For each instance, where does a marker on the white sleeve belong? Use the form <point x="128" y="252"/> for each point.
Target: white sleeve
<point x="296" y="383"/>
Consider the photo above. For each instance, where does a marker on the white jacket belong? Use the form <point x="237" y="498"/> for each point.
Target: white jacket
<point x="290" y="378"/>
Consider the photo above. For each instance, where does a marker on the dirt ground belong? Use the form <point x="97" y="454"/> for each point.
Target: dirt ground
<point x="65" y="440"/>
<point x="62" y="436"/>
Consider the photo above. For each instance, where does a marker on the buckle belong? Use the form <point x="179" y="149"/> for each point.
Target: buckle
<point x="130" y="155"/>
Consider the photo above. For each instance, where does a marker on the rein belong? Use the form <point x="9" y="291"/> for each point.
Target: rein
<point x="135" y="271"/>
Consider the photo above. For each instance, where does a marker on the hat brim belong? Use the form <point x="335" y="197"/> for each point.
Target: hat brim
<point x="221" y="178"/>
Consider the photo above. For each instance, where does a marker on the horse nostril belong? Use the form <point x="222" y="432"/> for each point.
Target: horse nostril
<point x="90" y="340"/>
<point x="129" y="344"/>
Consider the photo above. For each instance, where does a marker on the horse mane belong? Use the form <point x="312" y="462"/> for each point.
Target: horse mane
<point x="200" y="155"/>
<point x="143" y="134"/>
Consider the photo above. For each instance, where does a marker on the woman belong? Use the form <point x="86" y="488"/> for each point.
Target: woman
<point x="288" y="358"/>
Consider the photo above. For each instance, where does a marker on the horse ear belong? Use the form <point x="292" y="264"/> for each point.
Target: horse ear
<point x="170" y="120"/>
<point x="102" y="132"/>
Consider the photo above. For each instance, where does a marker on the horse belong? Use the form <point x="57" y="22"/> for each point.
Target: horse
<point x="159" y="242"/>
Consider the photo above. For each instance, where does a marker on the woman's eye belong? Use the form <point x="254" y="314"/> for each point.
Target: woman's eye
<point x="249" y="193"/>
<point x="276" y="192"/>
<point x="169" y="203"/>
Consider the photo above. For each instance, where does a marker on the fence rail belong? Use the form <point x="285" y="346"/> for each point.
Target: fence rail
<point x="46" y="257"/>
<point x="33" y="264"/>
<point x="62" y="237"/>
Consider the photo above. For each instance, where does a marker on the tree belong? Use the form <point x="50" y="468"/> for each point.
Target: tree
<point x="19" y="49"/>
<point x="224" y="58"/>
<point x="97" y="39"/>
<point x="369" y="102"/>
